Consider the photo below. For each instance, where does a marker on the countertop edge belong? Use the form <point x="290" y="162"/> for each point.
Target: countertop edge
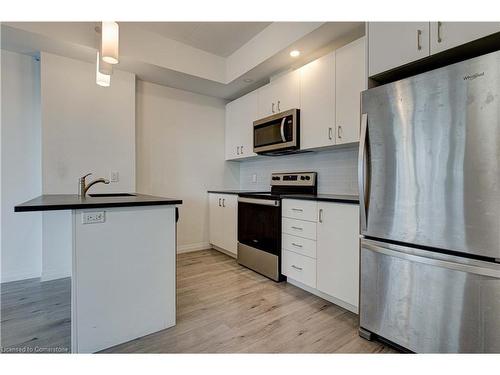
<point x="92" y="205"/>
<point x="323" y="199"/>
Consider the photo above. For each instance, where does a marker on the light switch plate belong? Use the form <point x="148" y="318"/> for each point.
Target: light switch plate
<point x="93" y="217"/>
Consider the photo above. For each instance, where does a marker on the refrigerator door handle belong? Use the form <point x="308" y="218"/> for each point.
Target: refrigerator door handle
<point x="361" y="171"/>
<point x="491" y="271"/>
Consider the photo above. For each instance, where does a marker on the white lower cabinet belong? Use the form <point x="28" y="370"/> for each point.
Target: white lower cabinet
<point x="320" y="249"/>
<point x="223" y="222"/>
<point x="338" y="251"/>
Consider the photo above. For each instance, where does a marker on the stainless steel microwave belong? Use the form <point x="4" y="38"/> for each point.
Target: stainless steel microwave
<point x="277" y="134"/>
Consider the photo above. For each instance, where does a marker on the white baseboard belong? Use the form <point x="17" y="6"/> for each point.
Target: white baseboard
<point x="193" y="247"/>
<point x="54" y="275"/>
<point x="18" y="276"/>
<point x="328" y="297"/>
<point x="232" y="255"/>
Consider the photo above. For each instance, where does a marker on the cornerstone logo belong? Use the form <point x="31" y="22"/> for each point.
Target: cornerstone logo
<point x="469" y="77"/>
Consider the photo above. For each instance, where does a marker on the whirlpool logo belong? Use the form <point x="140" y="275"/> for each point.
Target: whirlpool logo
<point x="470" y="77"/>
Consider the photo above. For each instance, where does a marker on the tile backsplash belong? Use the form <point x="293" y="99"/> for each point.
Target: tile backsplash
<point x="337" y="170"/>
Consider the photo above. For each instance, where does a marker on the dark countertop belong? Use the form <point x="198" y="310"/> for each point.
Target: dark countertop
<point x="325" y="197"/>
<point x="53" y="202"/>
<point x="236" y="191"/>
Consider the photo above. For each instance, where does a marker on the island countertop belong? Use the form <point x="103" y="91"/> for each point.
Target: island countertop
<point x="51" y="202"/>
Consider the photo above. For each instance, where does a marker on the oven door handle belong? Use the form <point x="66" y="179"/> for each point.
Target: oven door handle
<point x="264" y="202"/>
<point x="282" y="129"/>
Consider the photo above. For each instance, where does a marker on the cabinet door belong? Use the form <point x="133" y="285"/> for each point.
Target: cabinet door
<point x="286" y="91"/>
<point x="231" y="130"/>
<point x="240" y="115"/>
<point x="445" y="35"/>
<point x="351" y="80"/>
<point x="249" y="113"/>
<point x="317" y="103"/>
<point x="338" y="251"/>
<point x="266" y="99"/>
<point x="229" y="223"/>
<point x="392" y="44"/>
<point x="216" y="227"/>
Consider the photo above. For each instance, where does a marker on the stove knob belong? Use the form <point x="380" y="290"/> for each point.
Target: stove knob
<point x="302" y="177"/>
<point x="308" y="178"/>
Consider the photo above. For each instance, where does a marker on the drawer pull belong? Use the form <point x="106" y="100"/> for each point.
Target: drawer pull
<point x="297" y="228"/>
<point x="297" y="209"/>
<point x="296" y="267"/>
<point x="296" y="244"/>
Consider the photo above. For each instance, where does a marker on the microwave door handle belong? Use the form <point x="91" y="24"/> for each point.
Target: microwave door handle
<point x="282" y="129"/>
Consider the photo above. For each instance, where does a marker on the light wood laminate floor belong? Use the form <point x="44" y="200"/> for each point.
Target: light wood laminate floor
<point x="221" y="308"/>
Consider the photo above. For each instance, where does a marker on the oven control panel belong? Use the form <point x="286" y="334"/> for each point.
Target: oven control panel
<point x="293" y="179"/>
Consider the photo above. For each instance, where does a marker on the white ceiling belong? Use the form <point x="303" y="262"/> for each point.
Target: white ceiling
<point x="219" y="38"/>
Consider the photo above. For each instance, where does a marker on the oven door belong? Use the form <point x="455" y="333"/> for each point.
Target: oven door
<point x="259" y="224"/>
<point x="277" y="132"/>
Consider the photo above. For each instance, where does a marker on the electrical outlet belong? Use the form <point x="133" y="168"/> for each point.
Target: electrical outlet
<point x="254" y="178"/>
<point x="114" y="176"/>
<point x="93" y="217"/>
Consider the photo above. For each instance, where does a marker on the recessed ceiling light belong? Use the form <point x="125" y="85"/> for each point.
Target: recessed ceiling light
<point x="248" y="80"/>
<point x="295" y="53"/>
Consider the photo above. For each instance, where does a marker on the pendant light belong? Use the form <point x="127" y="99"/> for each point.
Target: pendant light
<point x="109" y="42"/>
<point x="100" y="78"/>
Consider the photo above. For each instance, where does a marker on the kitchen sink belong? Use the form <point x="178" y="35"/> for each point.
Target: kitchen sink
<point x="112" y="195"/>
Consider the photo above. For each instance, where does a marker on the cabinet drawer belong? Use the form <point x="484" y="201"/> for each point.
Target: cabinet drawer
<point x="300" y="209"/>
<point x="300" y="245"/>
<point x="300" y="268"/>
<point x="301" y="228"/>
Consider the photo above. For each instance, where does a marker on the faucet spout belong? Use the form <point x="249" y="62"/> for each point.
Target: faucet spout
<point x="83" y="187"/>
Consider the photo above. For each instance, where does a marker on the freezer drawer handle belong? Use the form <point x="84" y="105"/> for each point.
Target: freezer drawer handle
<point x="484" y="271"/>
<point x="296" y="244"/>
<point x="296" y="267"/>
<point x="297" y="228"/>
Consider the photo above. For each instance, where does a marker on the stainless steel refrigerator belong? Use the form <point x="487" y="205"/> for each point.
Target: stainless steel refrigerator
<point x="429" y="181"/>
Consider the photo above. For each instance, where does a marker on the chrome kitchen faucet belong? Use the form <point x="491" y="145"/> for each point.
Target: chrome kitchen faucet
<point x="83" y="187"/>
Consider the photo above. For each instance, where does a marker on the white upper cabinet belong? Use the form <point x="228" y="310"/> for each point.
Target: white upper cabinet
<point x="280" y="95"/>
<point x="392" y="44"/>
<point x="240" y="115"/>
<point x="446" y="35"/>
<point x="317" y="103"/>
<point x="338" y="251"/>
<point x="350" y="81"/>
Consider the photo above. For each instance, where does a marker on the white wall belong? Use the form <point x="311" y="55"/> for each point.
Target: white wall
<point x="20" y="166"/>
<point x="337" y="170"/>
<point x="180" y="153"/>
<point x="85" y="128"/>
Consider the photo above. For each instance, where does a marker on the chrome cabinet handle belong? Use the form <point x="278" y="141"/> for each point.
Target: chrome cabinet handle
<point x="219" y="202"/>
<point x="223" y="202"/>
<point x="419" y="34"/>
<point x="296" y="244"/>
<point x="237" y="150"/>
<point x="297" y="228"/>
<point x="320" y="216"/>
<point x="297" y="268"/>
<point x="339" y="131"/>
<point x="439" y="31"/>
<point x="241" y="150"/>
<point x="330" y="134"/>
<point x="279" y="106"/>
<point x="272" y="107"/>
<point x="297" y="209"/>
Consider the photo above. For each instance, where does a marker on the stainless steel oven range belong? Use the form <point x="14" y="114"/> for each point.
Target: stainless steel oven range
<point x="259" y="222"/>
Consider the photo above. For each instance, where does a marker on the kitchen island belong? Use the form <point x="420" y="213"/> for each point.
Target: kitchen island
<point x="123" y="265"/>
